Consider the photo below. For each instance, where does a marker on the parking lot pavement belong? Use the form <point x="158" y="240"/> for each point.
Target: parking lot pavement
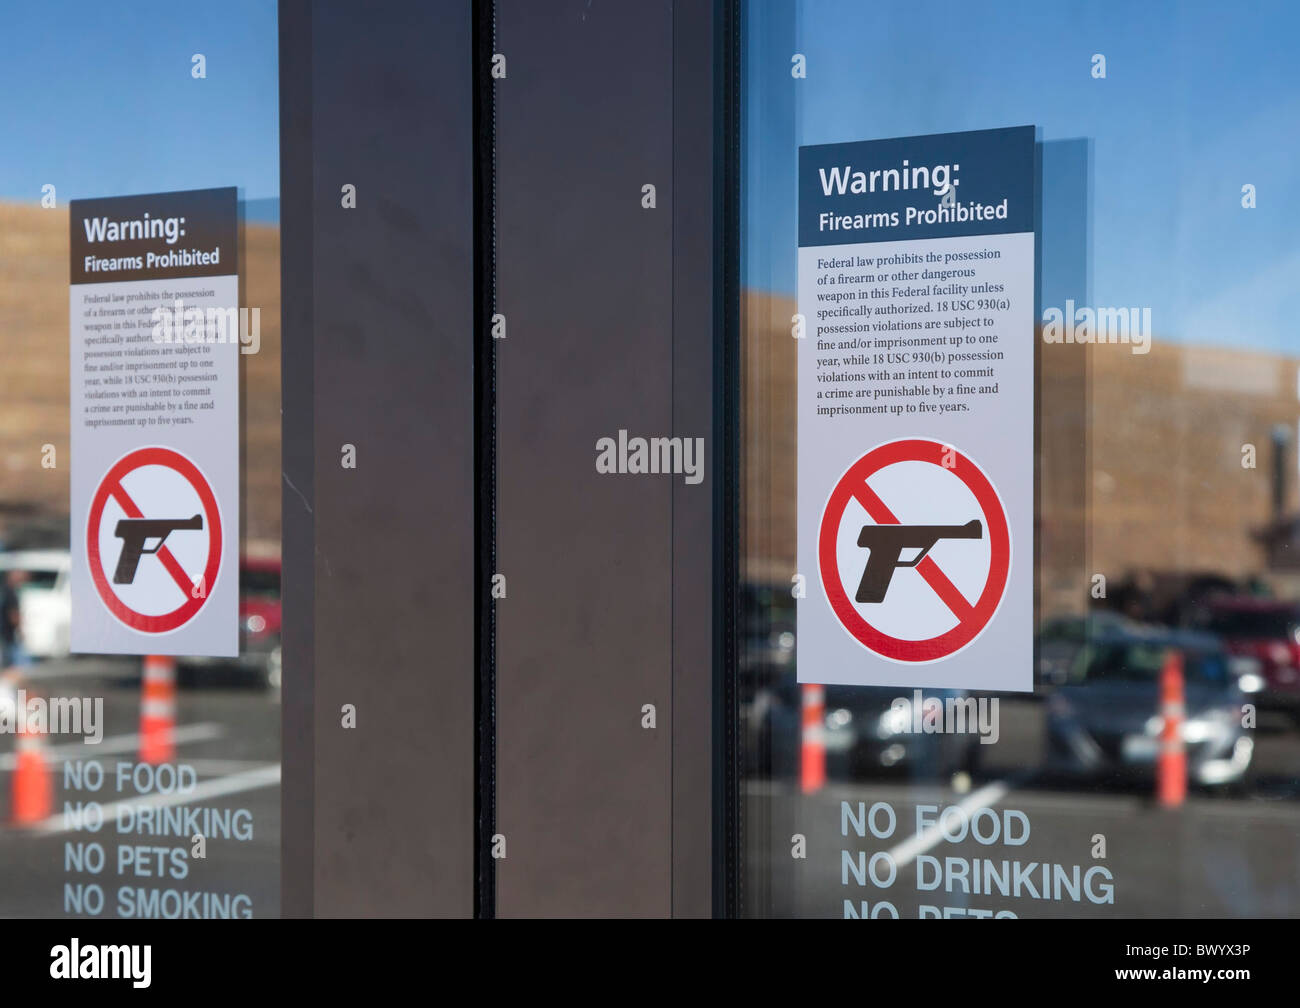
<point x="1231" y="855"/>
<point x="1211" y="857"/>
<point x="132" y="851"/>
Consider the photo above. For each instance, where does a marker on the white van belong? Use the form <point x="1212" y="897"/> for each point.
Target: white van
<point x="44" y="599"/>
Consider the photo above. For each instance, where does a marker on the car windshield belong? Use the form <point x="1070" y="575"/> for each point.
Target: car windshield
<point x="767" y="611"/>
<point x="259" y="583"/>
<point x="1143" y="662"/>
<point x="39" y="579"/>
<point x="1072" y="631"/>
<point x="1272" y="623"/>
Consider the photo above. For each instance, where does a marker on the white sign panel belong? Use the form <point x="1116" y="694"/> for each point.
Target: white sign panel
<point x="155" y="340"/>
<point x="916" y="411"/>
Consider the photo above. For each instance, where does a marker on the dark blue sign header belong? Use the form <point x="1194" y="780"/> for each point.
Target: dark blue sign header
<point x="940" y="186"/>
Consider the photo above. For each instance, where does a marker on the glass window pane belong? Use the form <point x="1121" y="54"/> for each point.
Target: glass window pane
<point x="1165" y="468"/>
<point x="161" y="799"/>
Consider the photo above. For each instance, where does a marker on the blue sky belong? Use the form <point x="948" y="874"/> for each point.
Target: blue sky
<point x="1199" y="99"/>
<point x="99" y="101"/>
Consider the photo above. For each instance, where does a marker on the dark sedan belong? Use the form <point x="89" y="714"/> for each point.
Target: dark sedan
<point x="1105" y="721"/>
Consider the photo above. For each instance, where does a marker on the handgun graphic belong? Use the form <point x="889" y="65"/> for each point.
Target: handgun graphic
<point x="886" y="542"/>
<point x="135" y="534"/>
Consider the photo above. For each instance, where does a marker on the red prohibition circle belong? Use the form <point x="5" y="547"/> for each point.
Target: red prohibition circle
<point x="113" y="479"/>
<point x="979" y="615"/>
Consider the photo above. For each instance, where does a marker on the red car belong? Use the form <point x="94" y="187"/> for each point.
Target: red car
<point x="259" y="628"/>
<point x="259" y="616"/>
<point x="1267" y="630"/>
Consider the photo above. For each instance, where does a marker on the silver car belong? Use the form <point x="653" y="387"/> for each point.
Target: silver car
<point x="1105" y="721"/>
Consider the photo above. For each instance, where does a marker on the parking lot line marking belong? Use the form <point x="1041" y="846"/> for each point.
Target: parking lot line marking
<point x="989" y="795"/>
<point x="202" y="731"/>
<point x="217" y="766"/>
<point x="247" y="780"/>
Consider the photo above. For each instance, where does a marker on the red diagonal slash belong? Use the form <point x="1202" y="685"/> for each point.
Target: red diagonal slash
<point x="169" y="562"/>
<point x="927" y="568"/>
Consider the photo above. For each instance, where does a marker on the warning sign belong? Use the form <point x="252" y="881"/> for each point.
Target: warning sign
<point x="154" y="567"/>
<point x="915" y="335"/>
<point x="156" y="334"/>
<point x="914" y="551"/>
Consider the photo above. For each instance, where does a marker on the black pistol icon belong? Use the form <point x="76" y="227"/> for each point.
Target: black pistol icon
<point x="887" y="541"/>
<point x="135" y="534"/>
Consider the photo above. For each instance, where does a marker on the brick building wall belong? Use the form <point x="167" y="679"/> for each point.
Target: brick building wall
<point x="1139" y="457"/>
<point x="34" y="377"/>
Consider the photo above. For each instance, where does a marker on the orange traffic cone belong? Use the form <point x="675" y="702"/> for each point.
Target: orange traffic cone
<point x="158" y="710"/>
<point x="812" y="753"/>
<point x="1171" y="768"/>
<point x="33" y="783"/>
